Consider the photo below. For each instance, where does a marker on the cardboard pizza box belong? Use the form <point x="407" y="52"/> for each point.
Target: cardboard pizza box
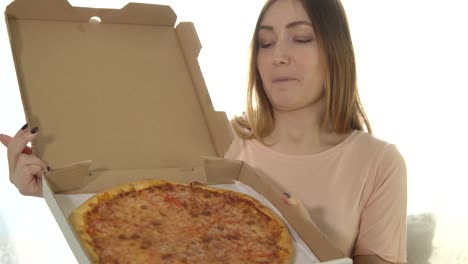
<point x="119" y="96"/>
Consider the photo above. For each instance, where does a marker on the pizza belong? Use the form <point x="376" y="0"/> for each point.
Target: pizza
<point x="156" y="221"/>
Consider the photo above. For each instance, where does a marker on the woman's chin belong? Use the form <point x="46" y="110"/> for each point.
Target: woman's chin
<point x="286" y="107"/>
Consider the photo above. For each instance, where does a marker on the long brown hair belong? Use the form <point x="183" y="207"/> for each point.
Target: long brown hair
<point x="344" y="110"/>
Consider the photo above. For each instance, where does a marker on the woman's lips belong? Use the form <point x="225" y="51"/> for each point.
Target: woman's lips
<point x="283" y="80"/>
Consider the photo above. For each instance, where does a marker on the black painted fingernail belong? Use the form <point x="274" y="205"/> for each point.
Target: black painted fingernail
<point x="34" y="130"/>
<point x="24" y="127"/>
<point x="48" y="168"/>
<point x="287" y="195"/>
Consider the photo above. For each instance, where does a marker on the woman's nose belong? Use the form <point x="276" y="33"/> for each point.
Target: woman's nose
<point x="280" y="54"/>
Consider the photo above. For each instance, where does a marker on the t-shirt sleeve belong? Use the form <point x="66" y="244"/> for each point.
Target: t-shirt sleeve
<point x="382" y="229"/>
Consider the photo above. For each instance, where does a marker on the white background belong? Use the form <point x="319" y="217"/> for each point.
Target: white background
<point x="412" y="63"/>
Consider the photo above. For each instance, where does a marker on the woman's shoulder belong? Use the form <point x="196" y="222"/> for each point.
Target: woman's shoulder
<point x="237" y="141"/>
<point x="374" y="147"/>
<point x="384" y="151"/>
<point x="363" y="139"/>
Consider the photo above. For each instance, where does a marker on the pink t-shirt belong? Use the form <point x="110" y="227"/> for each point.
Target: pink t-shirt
<point x="355" y="191"/>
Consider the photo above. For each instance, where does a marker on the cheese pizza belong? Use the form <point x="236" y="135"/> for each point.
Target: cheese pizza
<point x="155" y="221"/>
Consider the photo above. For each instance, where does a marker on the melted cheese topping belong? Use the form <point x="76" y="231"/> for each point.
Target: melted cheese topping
<point x="183" y="224"/>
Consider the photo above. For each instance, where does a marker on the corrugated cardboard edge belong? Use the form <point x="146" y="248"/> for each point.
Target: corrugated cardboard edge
<point x="62" y="221"/>
<point x="61" y="10"/>
<point x="218" y="123"/>
<point x="68" y="178"/>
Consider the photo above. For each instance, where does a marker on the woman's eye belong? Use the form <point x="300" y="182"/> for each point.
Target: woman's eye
<point x="265" y="45"/>
<point x="303" y="40"/>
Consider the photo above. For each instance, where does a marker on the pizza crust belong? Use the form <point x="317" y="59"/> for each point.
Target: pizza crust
<point x="141" y="185"/>
<point x="78" y="217"/>
<point x="77" y="220"/>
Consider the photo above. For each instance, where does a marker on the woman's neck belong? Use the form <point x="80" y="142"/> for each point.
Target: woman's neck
<point x="301" y="132"/>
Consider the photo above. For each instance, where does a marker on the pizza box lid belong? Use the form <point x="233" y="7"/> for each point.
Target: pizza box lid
<point x="126" y="92"/>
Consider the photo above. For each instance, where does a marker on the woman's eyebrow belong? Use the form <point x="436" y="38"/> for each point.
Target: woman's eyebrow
<point x="289" y="25"/>
<point x="298" y="23"/>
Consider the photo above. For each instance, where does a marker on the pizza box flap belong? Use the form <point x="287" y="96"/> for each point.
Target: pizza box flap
<point x="124" y="93"/>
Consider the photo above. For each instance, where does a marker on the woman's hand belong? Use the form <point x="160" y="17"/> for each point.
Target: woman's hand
<point x="26" y="170"/>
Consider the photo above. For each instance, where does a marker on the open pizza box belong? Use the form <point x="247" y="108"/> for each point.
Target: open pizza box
<point x="119" y="96"/>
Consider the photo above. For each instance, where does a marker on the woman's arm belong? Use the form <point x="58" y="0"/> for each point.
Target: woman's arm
<point x="382" y="230"/>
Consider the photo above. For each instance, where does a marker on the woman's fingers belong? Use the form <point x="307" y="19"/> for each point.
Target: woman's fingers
<point x="18" y="144"/>
<point x="24" y="159"/>
<point x="31" y="185"/>
<point x="6" y="139"/>
<point x="27" y="176"/>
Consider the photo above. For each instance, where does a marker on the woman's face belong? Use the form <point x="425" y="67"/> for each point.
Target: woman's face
<point x="288" y="57"/>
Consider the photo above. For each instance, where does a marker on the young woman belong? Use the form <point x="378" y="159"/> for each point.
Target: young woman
<point x="304" y="129"/>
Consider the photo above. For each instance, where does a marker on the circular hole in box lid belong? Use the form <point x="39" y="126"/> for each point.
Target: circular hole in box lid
<point x="95" y="20"/>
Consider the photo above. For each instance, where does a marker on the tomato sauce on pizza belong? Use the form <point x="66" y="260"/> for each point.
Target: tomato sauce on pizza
<point x="156" y="221"/>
